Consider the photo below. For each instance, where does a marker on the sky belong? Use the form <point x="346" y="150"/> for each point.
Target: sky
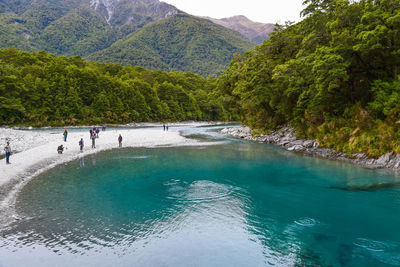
<point x="266" y="11"/>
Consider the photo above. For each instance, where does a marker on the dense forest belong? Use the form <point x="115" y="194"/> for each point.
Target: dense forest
<point x="335" y="77"/>
<point x="41" y="89"/>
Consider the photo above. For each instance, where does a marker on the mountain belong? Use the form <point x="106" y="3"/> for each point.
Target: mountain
<point x="100" y="29"/>
<point x="71" y="27"/>
<point x="179" y="43"/>
<point x="115" y="12"/>
<point x="256" y="31"/>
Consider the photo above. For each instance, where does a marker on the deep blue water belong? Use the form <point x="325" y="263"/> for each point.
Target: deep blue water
<point x="233" y="204"/>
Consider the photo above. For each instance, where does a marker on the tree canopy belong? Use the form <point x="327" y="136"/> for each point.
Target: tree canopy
<point x="334" y="76"/>
<point x="42" y="89"/>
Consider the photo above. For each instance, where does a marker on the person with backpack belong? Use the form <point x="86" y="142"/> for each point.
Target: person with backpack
<point x="60" y="149"/>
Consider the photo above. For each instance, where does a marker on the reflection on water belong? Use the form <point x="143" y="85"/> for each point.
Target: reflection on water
<point x="239" y="204"/>
<point x="82" y="162"/>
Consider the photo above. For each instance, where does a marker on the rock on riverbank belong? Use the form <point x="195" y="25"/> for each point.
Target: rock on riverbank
<point x="286" y="137"/>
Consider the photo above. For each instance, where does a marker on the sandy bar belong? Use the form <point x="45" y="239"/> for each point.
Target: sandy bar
<point x="39" y="152"/>
<point x="43" y="151"/>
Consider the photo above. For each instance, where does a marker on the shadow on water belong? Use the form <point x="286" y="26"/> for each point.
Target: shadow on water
<point x="372" y="187"/>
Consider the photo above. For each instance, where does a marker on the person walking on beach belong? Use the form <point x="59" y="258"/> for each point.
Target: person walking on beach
<point x="81" y="144"/>
<point x="7" y="149"/>
<point x="164" y="126"/>
<point x="120" y="140"/>
<point x="167" y="127"/>
<point x="93" y="141"/>
<point x="65" y="135"/>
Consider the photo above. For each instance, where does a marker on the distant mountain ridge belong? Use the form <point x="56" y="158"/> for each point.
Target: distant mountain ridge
<point x="256" y="31"/>
<point x="86" y="27"/>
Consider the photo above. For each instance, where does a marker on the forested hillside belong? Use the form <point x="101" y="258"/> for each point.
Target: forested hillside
<point x="180" y="42"/>
<point x="334" y="77"/>
<point x="41" y="89"/>
<point x="74" y="27"/>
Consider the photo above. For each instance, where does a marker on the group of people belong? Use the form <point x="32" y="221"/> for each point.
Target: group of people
<point x="165" y="127"/>
<point x="94" y="133"/>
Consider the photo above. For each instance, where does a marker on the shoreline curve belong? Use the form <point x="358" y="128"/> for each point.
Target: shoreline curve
<point x="35" y="160"/>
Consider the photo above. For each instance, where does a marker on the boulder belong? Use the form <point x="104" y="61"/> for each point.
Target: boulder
<point x="308" y="143"/>
<point x="296" y="148"/>
<point x="384" y="159"/>
<point x="394" y="162"/>
<point x="297" y="142"/>
<point x="360" y="156"/>
<point x="283" y="142"/>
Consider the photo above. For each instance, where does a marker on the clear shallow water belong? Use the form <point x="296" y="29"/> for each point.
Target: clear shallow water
<point x="236" y="204"/>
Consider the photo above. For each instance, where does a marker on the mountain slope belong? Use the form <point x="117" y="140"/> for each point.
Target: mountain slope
<point x="69" y="27"/>
<point x="256" y="31"/>
<point x="109" y="30"/>
<point x="179" y="43"/>
<point x="132" y="12"/>
<point x="81" y="31"/>
<point x="13" y="33"/>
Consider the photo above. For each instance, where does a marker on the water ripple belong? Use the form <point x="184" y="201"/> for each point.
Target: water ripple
<point x="198" y="191"/>
<point x="306" y="222"/>
<point x="370" y="244"/>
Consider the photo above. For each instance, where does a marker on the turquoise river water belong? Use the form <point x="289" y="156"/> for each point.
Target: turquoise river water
<point x="232" y="204"/>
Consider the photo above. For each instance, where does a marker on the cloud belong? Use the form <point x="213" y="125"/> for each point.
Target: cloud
<point x="267" y="11"/>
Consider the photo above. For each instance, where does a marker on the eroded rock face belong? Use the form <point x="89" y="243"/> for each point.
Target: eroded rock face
<point x="121" y="12"/>
<point x="286" y="137"/>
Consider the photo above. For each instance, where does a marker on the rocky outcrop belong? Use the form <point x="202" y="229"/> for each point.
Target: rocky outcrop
<point x="123" y="12"/>
<point x="286" y="138"/>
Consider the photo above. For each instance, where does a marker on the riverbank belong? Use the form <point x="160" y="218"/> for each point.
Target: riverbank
<point x="25" y="137"/>
<point x="286" y="138"/>
<point x="37" y="152"/>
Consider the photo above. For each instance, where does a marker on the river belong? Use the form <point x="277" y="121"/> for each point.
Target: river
<point x="235" y="203"/>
